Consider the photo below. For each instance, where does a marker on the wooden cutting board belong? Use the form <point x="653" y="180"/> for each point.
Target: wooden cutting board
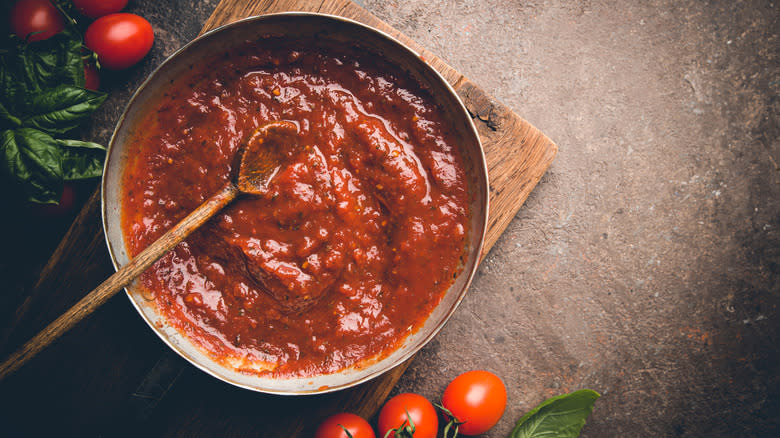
<point x="517" y="156"/>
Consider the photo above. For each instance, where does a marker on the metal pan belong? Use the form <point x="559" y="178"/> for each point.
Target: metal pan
<point x="340" y="30"/>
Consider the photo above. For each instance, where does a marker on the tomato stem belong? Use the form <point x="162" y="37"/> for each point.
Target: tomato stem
<point x="405" y="430"/>
<point x="448" y="426"/>
<point x="67" y="16"/>
<point x="453" y="421"/>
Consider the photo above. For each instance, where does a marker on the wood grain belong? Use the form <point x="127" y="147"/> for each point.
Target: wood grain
<point x="517" y="156"/>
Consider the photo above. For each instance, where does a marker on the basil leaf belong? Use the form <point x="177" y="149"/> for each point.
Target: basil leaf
<point x="13" y="83"/>
<point x="560" y="417"/>
<point x="80" y="144"/>
<point x="26" y="69"/>
<point x="58" y="110"/>
<point x="32" y="161"/>
<point x="57" y="60"/>
<point x="53" y="61"/>
<point x="81" y="159"/>
<point x="42" y="97"/>
<point x="8" y="120"/>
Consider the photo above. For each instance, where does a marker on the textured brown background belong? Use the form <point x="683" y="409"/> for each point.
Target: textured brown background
<point x="646" y="263"/>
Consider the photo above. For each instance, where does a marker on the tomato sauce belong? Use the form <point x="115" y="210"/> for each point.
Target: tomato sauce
<point x="360" y="234"/>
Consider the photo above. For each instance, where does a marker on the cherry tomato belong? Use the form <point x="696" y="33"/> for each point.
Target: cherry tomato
<point x="421" y="413"/>
<point x="120" y="40"/>
<point x="91" y="76"/>
<point x="99" y="8"/>
<point x="333" y="427"/>
<point x="477" y="399"/>
<point x="36" y="20"/>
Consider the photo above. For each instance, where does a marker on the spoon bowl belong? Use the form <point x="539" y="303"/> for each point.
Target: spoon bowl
<point x="261" y="156"/>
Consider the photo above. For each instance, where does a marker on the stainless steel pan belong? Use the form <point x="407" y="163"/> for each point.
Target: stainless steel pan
<point x="298" y="25"/>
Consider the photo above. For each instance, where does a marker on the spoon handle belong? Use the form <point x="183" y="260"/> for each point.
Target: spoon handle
<point x="119" y="279"/>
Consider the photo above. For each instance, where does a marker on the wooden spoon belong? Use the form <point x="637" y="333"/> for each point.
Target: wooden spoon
<point x="259" y="159"/>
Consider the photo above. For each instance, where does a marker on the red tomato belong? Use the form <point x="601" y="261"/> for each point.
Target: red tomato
<point x="333" y="427"/>
<point x="99" y="8"/>
<point x="91" y="76"/>
<point x="120" y="40"/>
<point x="31" y="16"/>
<point x="421" y="413"/>
<point x="477" y="399"/>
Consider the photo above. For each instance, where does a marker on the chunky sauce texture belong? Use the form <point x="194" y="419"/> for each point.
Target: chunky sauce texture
<point x="360" y="234"/>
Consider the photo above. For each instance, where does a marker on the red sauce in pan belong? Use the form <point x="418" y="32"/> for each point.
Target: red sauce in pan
<point x="361" y="231"/>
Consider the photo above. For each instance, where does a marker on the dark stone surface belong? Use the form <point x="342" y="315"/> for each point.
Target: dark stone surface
<point x="646" y="263"/>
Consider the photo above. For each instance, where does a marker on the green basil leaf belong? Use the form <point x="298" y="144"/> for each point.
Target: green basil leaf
<point x="53" y="61"/>
<point x="560" y="417"/>
<point x="26" y="69"/>
<point x="80" y="144"/>
<point x="42" y="97"/>
<point x="58" y="59"/>
<point x="32" y="161"/>
<point x="8" y="120"/>
<point x="14" y="83"/>
<point x="81" y="159"/>
<point x="60" y="109"/>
